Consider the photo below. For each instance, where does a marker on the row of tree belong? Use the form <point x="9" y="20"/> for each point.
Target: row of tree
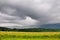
<point x="30" y="30"/>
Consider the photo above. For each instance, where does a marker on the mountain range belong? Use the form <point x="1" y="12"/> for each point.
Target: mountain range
<point x="42" y="28"/>
<point x="51" y="26"/>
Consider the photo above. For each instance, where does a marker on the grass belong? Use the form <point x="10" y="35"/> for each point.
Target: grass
<point x="29" y="35"/>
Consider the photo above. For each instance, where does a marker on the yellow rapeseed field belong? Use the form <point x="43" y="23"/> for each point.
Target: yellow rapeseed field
<point x="29" y="35"/>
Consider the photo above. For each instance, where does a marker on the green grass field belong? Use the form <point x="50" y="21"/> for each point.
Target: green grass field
<point x="29" y="35"/>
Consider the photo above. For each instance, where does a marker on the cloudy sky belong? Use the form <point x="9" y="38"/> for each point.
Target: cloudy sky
<point x="28" y="13"/>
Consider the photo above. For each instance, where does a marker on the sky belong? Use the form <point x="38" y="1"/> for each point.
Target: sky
<point x="29" y="13"/>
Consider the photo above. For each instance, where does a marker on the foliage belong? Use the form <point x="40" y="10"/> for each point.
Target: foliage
<point x="30" y="30"/>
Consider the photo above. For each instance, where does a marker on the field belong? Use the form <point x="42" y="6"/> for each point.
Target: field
<point x="29" y="35"/>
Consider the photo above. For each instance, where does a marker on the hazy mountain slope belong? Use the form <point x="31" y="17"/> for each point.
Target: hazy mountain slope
<point x="51" y="26"/>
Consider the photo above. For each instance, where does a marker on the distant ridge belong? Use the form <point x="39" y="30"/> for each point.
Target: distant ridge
<point x="51" y="26"/>
<point x="30" y="30"/>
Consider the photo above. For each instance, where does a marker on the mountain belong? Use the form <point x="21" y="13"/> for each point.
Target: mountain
<point x="51" y="26"/>
<point x="30" y="30"/>
<point x="42" y="28"/>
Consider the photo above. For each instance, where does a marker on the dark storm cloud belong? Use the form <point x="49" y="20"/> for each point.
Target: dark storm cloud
<point x="29" y="12"/>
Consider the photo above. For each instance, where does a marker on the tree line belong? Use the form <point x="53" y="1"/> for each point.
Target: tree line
<point x="30" y="29"/>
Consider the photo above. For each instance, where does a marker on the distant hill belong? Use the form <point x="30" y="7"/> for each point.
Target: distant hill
<point x="51" y="26"/>
<point x="30" y="30"/>
<point x="42" y="28"/>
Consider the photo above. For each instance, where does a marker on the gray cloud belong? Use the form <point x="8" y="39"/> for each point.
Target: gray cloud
<point x="26" y="12"/>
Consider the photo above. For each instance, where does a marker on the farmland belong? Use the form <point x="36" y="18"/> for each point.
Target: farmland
<point x="5" y="35"/>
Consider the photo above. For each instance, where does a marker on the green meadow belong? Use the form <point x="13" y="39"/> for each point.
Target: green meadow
<point x="4" y="35"/>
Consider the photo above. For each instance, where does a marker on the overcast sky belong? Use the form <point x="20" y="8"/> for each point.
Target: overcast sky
<point x="28" y="13"/>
